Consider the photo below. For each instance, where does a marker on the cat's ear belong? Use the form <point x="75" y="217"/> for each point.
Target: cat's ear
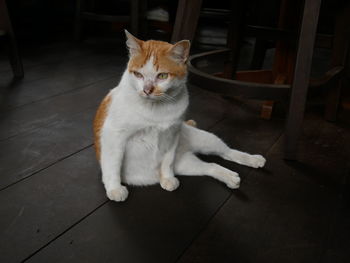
<point x="133" y="43"/>
<point x="180" y="51"/>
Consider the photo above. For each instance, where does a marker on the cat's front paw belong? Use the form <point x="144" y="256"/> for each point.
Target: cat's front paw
<point x="257" y="161"/>
<point x="118" y="194"/>
<point x="169" y="183"/>
<point x="233" y="182"/>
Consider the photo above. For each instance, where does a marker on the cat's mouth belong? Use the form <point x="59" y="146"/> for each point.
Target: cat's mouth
<point x="160" y="96"/>
<point x="151" y="95"/>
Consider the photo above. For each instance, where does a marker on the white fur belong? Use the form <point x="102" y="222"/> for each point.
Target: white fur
<point x="144" y="140"/>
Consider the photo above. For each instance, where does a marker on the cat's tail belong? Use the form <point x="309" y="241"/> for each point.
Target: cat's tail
<point x="191" y="123"/>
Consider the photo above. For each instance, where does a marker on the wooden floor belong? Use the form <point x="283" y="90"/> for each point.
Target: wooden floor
<point x="53" y="206"/>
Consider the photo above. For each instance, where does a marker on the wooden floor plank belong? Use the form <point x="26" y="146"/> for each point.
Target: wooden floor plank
<point x="153" y="225"/>
<point x="65" y="66"/>
<point x="57" y="82"/>
<point x="37" y="210"/>
<point x="59" y="69"/>
<point x="42" y="62"/>
<point x="44" y="53"/>
<point x="53" y="205"/>
<point x="58" y="108"/>
<point x="206" y="108"/>
<point x="281" y="213"/>
<point x="336" y="248"/>
<point x="38" y="54"/>
<point x="18" y="226"/>
<point x="26" y="154"/>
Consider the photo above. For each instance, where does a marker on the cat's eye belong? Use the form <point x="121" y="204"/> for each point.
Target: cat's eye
<point x="138" y="75"/>
<point x="162" y="75"/>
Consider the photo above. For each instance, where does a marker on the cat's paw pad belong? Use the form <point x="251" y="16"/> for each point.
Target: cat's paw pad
<point x="118" y="194"/>
<point x="257" y="161"/>
<point x="233" y="182"/>
<point x="169" y="183"/>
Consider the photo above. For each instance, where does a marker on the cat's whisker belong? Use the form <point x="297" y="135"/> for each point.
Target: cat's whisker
<point x="169" y="98"/>
<point x="163" y="99"/>
<point x="166" y="100"/>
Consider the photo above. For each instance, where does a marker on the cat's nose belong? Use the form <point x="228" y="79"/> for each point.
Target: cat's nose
<point x="148" y="89"/>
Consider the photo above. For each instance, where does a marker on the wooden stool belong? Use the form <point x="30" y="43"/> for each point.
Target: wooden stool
<point x="289" y="78"/>
<point x="7" y="34"/>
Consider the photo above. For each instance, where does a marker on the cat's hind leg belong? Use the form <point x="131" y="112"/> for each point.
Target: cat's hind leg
<point x="204" y="142"/>
<point x="189" y="164"/>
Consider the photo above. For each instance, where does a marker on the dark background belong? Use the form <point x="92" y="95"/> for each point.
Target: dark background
<point x="42" y="19"/>
<point x="53" y="206"/>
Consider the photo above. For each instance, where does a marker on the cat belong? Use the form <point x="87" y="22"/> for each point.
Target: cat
<point x="141" y="137"/>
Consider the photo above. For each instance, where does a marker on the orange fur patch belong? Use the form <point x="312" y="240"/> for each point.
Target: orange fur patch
<point x="157" y="91"/>
<point x="160" y="51"/>
<point x="99" y="120"/>
<point x="191" y="123"/>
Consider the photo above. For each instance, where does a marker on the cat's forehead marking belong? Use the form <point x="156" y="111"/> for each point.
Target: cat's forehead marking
<point x="149" y="68"/>
<point x="159" y="53"/>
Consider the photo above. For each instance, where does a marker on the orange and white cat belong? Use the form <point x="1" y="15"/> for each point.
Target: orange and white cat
<point x="140" y="134"/>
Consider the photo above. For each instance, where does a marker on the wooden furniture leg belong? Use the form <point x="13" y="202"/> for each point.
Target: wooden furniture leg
<point x="186" y="20"/>
<point x="301" y="76"/>
<point x="285" y="53"/>
<point x="267" y="107"/>
<point x="78" y="20"/>
<point x="143" y="22"/>
<point x="341" y="42"/>
<point x="235" y="37"/>
<point x="134" y="17"/>
<point x="14" y="56"/>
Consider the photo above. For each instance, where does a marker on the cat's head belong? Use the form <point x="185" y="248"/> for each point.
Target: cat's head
<point x="157" y="69"/>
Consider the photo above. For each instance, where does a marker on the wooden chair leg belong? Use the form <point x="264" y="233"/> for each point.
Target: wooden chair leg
<point x="301" y="76"/>
<point x="266" y="109"/>
<point x="14" y="57"/>
<point x="143" y="23"/>
<point x="11" y="44"/>
<point x="339" y="55"/>
<point x="186" y="20"/>
<point x="134" y="17"/>
<point x="260" y="48"/>
<point x="78" y="20"/>
<point x="285" y="51"/>
<point x="332" y="101"/>
<point x="235" y="37"/>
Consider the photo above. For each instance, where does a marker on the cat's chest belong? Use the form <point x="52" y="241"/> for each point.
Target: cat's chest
<point x="145" y="151"/>
<point x="156" y="138"/>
